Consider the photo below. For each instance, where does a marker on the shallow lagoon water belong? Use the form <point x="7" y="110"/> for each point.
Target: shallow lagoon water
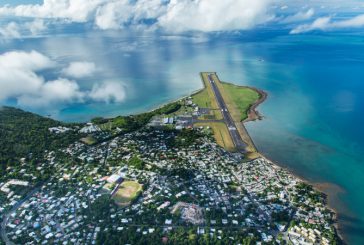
<point x="313" y="115"/>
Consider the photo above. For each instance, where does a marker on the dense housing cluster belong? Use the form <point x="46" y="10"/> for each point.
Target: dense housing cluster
<point x="162" y="186"/>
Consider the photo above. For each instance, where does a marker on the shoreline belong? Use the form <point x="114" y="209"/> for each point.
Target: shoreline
<point x="253" y="113"/>
<point x="161" y="105"/>
<point x="321" y="188"/>
<point x="331" y="190"/>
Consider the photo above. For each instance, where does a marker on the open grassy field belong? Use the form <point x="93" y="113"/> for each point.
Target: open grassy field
<point x="221" y="134"/>
<point x="242" y="97"/>
<point x="206" y="98"/>
<point x="127" y="192"/>
<point x="202" y="99"/>
<point x="238" y="99"/>
<point x="89" y="140"/>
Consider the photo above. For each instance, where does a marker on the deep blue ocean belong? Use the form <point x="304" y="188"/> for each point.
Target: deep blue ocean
<point x="314" y="116"/>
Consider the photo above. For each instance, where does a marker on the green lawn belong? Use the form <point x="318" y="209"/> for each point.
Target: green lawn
<point x="206" y="98"/>
<point x="202" y="99"/>
<point x="242" y="97"/>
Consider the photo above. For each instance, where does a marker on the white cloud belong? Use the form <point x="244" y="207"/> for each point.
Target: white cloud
<point x="113" y="15"/>
<point x="74" y="10"/>
<point x="107" y="14"/>
<point x="79" y="69"/>
<point x="16" y="30"/>
<point x="27" y="61"/>
<point x="108" y="92"/>
<point x="52" y="92"/>
<point x="300" y="16"/>
<point x="11" y="30"/>
<point x="318" y="24"/>
<point x="19" y="80"/>
<point x="195" y="38"/>
<point x="35" y="27"/>
<point x="213" y="15"/>
<point x="326" y="23"/>
<point x="173" y="16"/>
<point x="356" y="22"/>
<point x="15" y="82"/>
<point x="17" y="73"/>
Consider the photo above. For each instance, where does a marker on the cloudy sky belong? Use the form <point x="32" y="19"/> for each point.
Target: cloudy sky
<point x="21" y="71"/>
<point x="176" y="16"/>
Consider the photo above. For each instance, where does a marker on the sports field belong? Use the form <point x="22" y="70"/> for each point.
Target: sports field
<point x="89" y="140"/>
<point x="127" y="192"/>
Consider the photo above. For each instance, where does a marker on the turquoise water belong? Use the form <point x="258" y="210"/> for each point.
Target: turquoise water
<point x="313" y="116"/>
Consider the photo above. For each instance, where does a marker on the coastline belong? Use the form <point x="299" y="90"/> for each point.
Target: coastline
<point x="330" y="190"/>
<point x="326" y="189"/>
<point x="162" y="105"/>
<point x="321" y="188"/>
<point x="175" y="100"/>
<point x="253" y="113"/>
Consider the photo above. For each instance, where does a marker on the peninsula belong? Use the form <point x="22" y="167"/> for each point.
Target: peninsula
<point x="187" y="172"/>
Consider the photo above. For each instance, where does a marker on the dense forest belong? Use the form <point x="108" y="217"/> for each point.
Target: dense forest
<point x="23" y="132"/>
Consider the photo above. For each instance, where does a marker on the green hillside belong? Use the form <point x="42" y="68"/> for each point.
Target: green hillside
<point x="22" y="133"/>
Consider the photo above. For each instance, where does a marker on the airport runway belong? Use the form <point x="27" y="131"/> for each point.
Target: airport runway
<point x="234" y="133"/>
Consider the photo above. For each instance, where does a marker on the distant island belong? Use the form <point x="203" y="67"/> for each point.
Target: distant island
<point x="187" y="172"/>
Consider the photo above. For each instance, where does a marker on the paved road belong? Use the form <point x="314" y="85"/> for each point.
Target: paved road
<point x="234" y="133"/>
<point x="6" y="217"/>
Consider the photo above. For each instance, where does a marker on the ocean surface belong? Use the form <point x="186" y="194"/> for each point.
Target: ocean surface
<point x="314" y="116"/>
